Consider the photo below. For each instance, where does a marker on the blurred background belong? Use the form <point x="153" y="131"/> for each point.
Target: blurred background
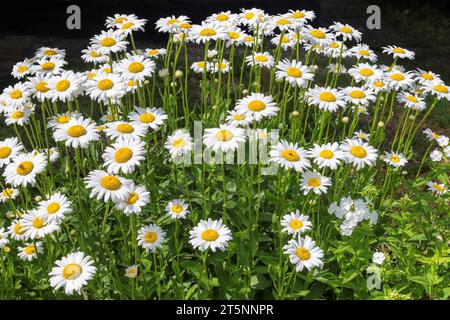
<point x="421" y="26"/>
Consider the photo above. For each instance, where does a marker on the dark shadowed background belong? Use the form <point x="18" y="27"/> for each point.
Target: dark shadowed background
<point x="421" y="26"/>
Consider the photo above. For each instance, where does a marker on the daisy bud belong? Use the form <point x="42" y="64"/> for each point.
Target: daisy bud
<point x="73" y="232"/>
<point x="404" y="172"/>
<point x="279" y="80"/>
<point x="173" y="84"/>
<point x="214" y="107"/>
<point x="344" y="119"/>
<point x="6" y="249"/>
<point x="313" y="68"/>
<point x="439" y="237"/>
<point x="10" y="215"/>
<point x="146" y="82"/>
<point x="216" y="80"/>
<point x="295" y="114"/>
<point x="38" y="198"/>
<point x="381" y="157"/>
<point x="312" y="202"/>
<point x="63" y="190"/>
<point x="178" y="74"/>
<point x="412" y="117"/>
<point x="380" y="124"/>
<point x="245" y="92"/>
<point x="163" y="73"/>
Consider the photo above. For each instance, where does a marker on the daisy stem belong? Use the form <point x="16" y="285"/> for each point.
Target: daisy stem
<point x="423" y="159"/>
<point x="224" y="192"/>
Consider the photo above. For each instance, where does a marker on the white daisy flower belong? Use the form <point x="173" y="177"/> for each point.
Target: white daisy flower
<point x="207" y="32"/>
<point x="55" y="207"/>
<point x="35" y="226"/>
<point x="328" y="99"/>
<point x="9" y="149"/>
<point x="105" y="186"/>
<point x="61" y="119"/>
<point x="359" y="153"/>
<point x="47" y="52"/>
<point x="433" y="136"/>
<point x="286" y="41"/>
<point x="295" y="223"/>
<point x="198" y="66"/>
<point x="289" y="155"/>
<point x="179" y="143"/>
<point x="359" y="96"/>
<point x="411" y="100"/>
<point x="131" y="24"/>
<point x="399" y="80"/>
<point x="105" y="87"/>
<point x="225" y="138"/>
<point x="30" y="251"/>
<point x="438" y="89"/>
<point x="16" y="230"/>
<point x="319" y="36"/>
<point x="436" y="155"/>
<point x="16" y="95"/>
<point x="261" y="59"/>
<point x="224" y="17"/>
<point x="77" y="132"/>
<point x="109" y="42"/>
<point x="378" y="258"/>
<point x="395" y="159"/>
<point x="118" y="129"/>
<point x="131" y="272"/>
<point x="3" y="238"/>
<point x="155" y="53"/>
<point x="151" y="117"/>
<point x="72" y="272"/>
<point x="215" y="67"/>
<point x="24" y="168"/>
<point x="170" y="24"/>
<point x="177" y="209"/>
<point x="22" y="69"/>
<point x="258" y="106"/>
<point x="124" y="155"/>
<point x="304" y="253"/>
<point x="65" y="87"/>
<point x="363" y="51"/>
<point x="38" y="86"/>
<point x="210" y="234"/>
<point x="437" y="188"/>
<point x="90" y="54"/>
<point x="135" y="67"/>
<point x="365" y="72"/>
<point x="327" y="155"/>
<point x="136" y="199"/>
<point x="361" y="135"/>
<point x="52" y="66"/>
<point x="312" y="180"/>
<point x="249" y="17"/>
<point x="151" y="237"/>
<point x="398" y="52"/>
<point x="8" y="194"/>
<point x="424" y="77"/>
<point x="235" y="118"/>
<point x="19" y="116"/>
<point x="294" y="72"/>
<point x="346" y="31"/>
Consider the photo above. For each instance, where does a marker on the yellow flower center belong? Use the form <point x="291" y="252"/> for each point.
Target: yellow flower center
<point x="38" y="223"/>
<point x="441" y="88"/>
<point x="210" y="235"/>
<point x="17" y="115"/>
<point x="303" y="254"/>
<point x="63" y="119"/>
<point x="63" y="85"/>
<point x="412" y="99"/>
<point x="172" y="21"/>
<point x="5" y="152"/>
<point x="95" y="54"/>
<point x="127" y="25"/>
<point x="327" y="97"/>
<point x="256" y="105"/>
<point x="296" y="224"/>
<point x="427" y="76"/>
<point x="250" y="39"/>
<point x="378" y="84"/>
<point x="334" y="45"/>
<point x="233" y="35"/>
<point x="364" y="52"/>
<point x="152" y="52"/>
<point x="150" y="237"/>
<point x="147" y="117"/>
<point x="131" y="83"/>
<point x="207" y="32"/>
<point x="7" y="192"/>
<point x="123" y="155"/>
<point x="16" y="94"/>
<point x="357" y="94"/>
<point x="224" y="135"/>
<point x="22" y="69"/>
<point x="285" y="40"/>
<point x="135" y="67"/>
<point x="42" y="86"/>
<point x="108" y="42"/>
<point x="283" y="21"/>
<point x="397" y="77"/>
<point x="290" y="155"/>
<point x="18" y="229"/>
<point x="316" y="33"/>
<point x="358" y="151"/>
<point x="366" y="72"/>
<point x="105" y="84"/>
<point x="110" y="183"/>
<point x="346" y="29"/>
<point x="76" y="131"/>
<point x="249" y="15"/>
<point x="133" y="198"/>
<point x="201" y="64"/>
<point x="50" y="52"/>
<point x="47" y="66"/>
<point x="30" y="249"/>
<point x="261" y="58"/>
<point x="327" y="154"/>
<point x="179" y="143"/>
<point x="72" y="271"/>
<point x="125" y="128"/>
<point x="314" y="182"/>
<point x="53" y="208"/>
<point x="395" y="158"/>
<point x="239" y="117"/>
<point x="399" y="50"/>
<point x="222" y="17"/>
<point x="185" y="26"/>
<point x="298" y="15"/>
<point x="294" y="72"/>
<point x="438" y="187"/>
<point x="120" y="19"/>
<point x="25" y="168"/>
<point x="177" y="208"/>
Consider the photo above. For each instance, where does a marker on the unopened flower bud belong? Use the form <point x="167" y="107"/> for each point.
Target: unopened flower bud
<point x="245" y="92"/>
<point x="295" y="114"/>
<point x="178" y="74"/>
<point x="173" y="84"/>
<point x="313" y="68"/>
<point x="146" y="82"/>
<point x="312" y="202"/>
<point x="163" y="73"/>
<point x="380" y="124"/>
<point x="344" y="119"/>
<point x="6" y="249"/>
<point x="412" y="117"/>
<point x="38" y="198"/>
<point x="10" y="215"/>
<point x="404" y="172"/>
<point x="73" y="232"/>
